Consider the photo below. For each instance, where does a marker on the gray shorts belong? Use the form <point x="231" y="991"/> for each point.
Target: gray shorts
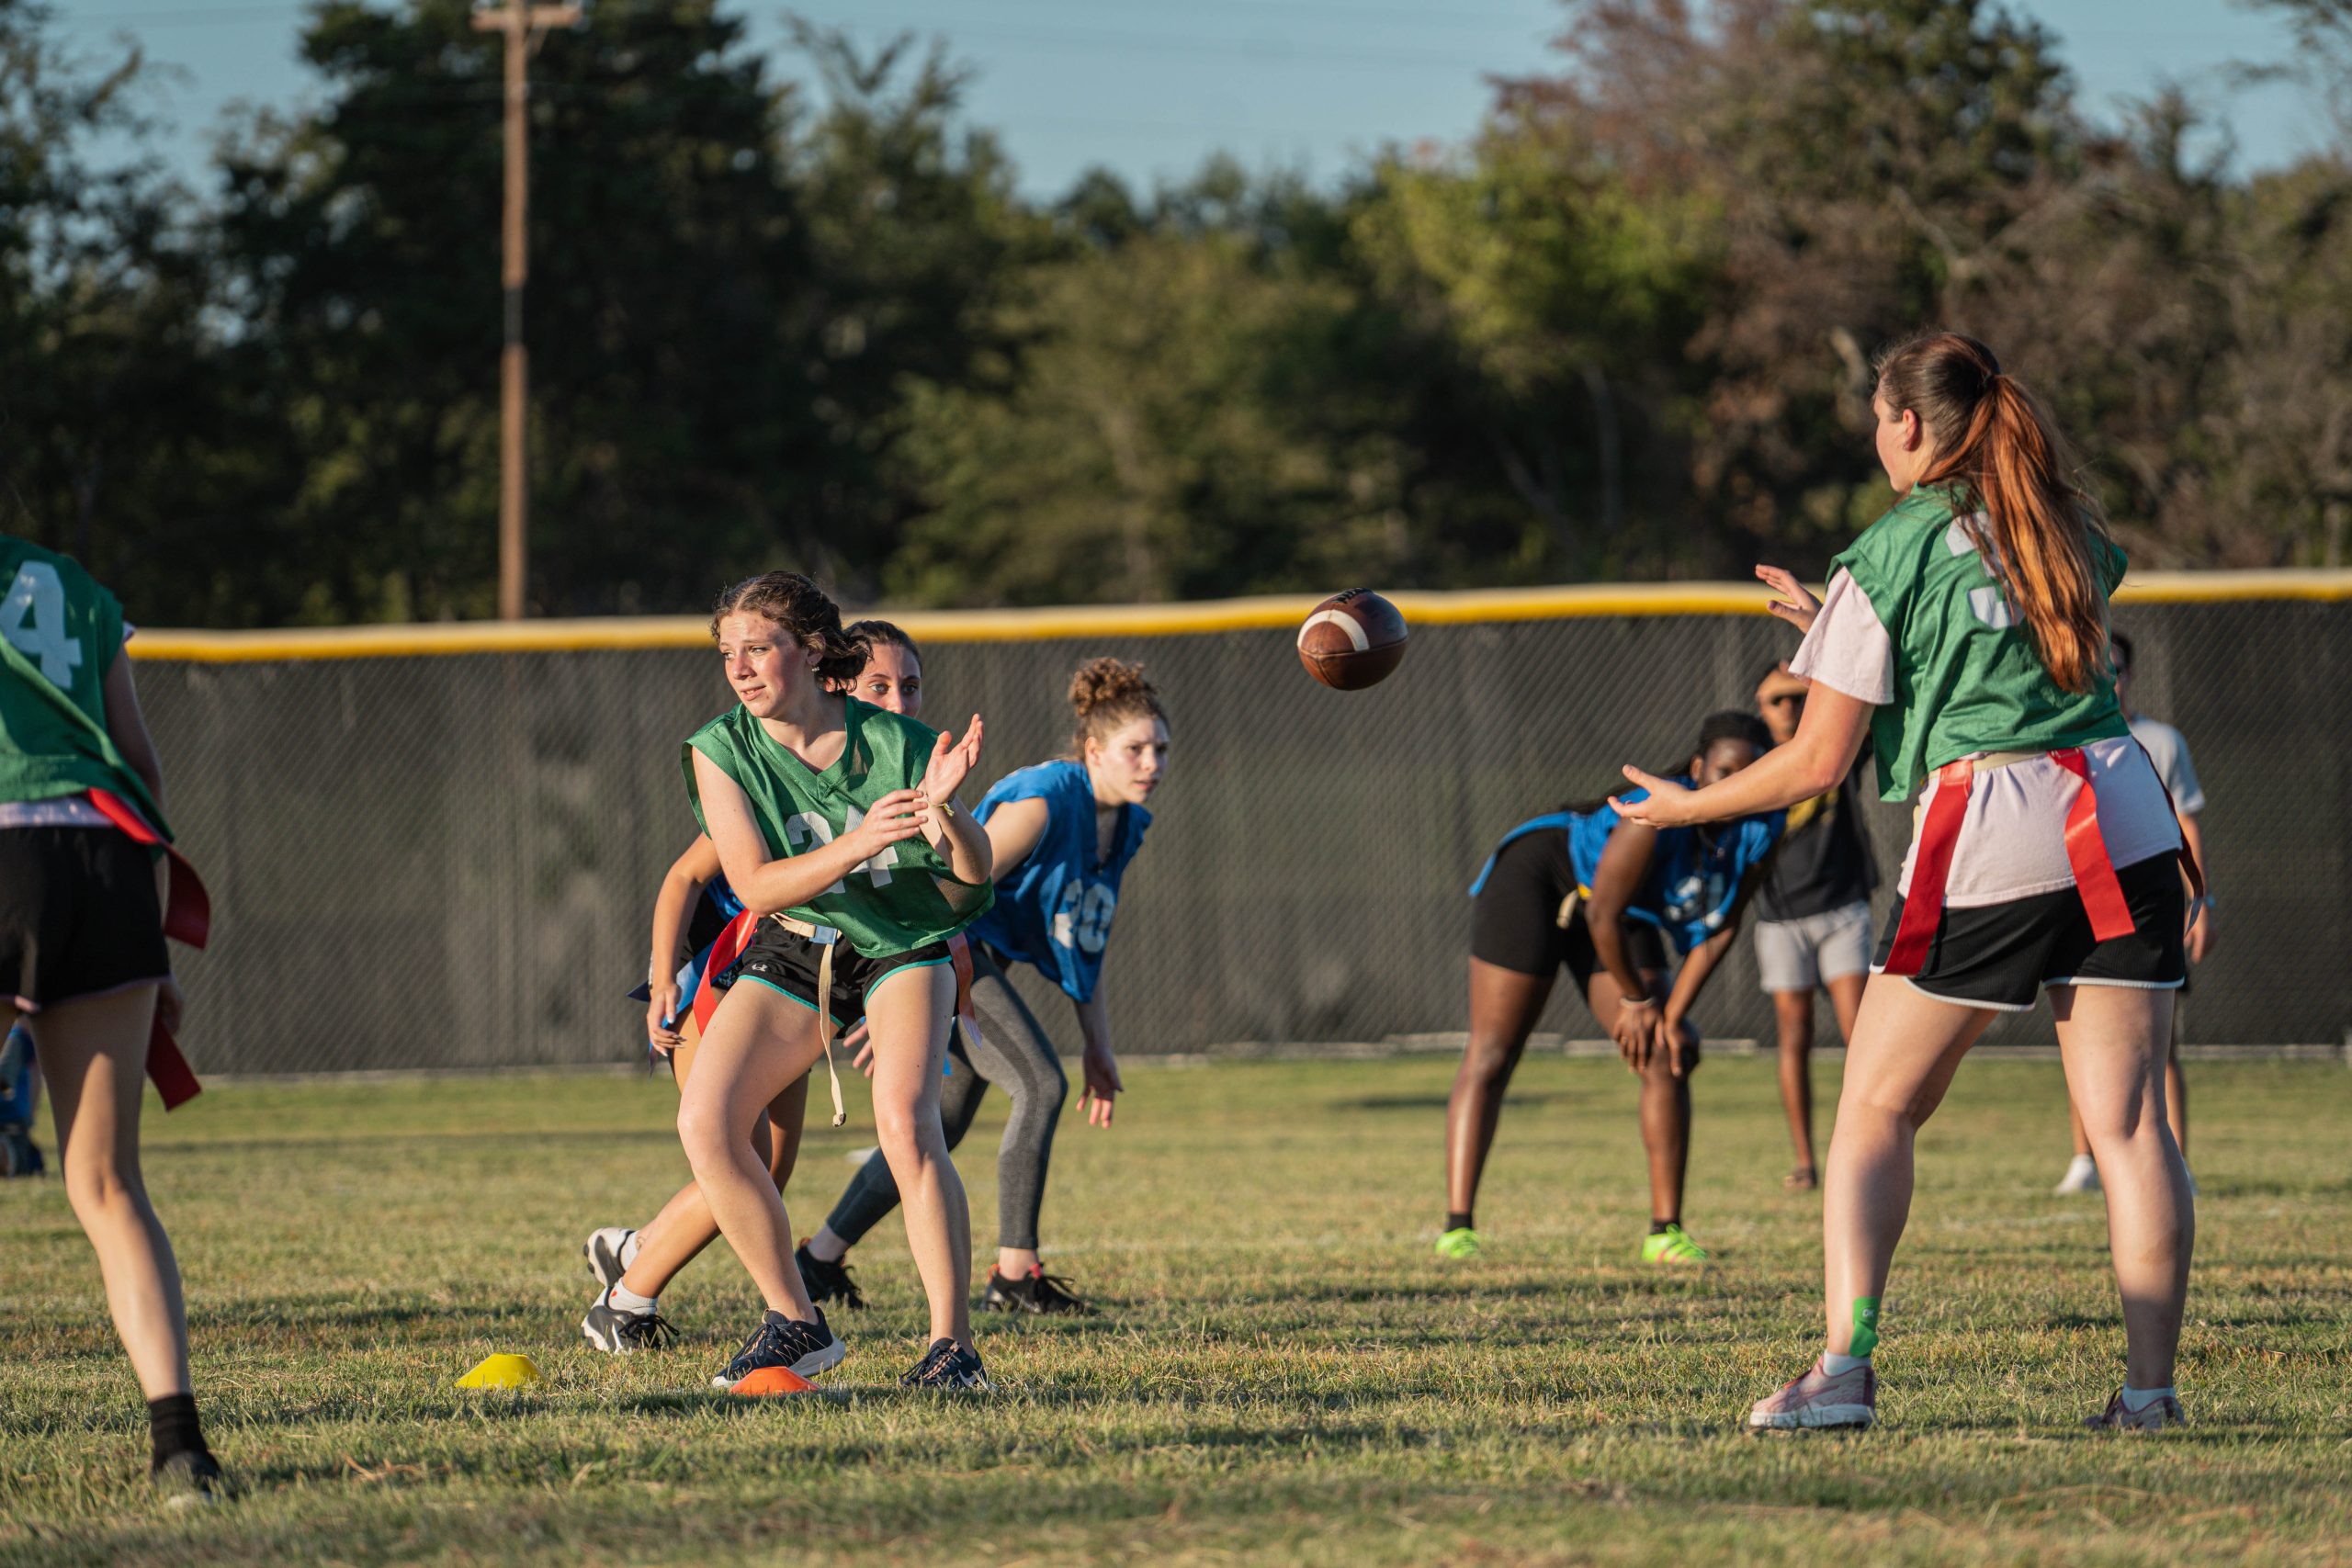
<point x="1797" y="956"/>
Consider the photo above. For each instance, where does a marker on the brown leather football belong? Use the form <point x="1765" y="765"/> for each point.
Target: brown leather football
<point x="1352" y="640"/>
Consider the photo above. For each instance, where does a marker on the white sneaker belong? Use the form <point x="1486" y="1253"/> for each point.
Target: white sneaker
<point x="2082" y="1175"/>
<point x="603" y="1250"/>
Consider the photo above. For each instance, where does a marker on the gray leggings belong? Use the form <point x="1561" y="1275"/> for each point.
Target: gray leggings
<point x="1013" y="1051"/>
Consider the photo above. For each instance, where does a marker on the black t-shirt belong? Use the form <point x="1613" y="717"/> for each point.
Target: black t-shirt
<point x="1824" y="862"/>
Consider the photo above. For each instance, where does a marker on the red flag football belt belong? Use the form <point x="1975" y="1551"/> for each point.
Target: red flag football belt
<point x="187" y="917"/>
<point x="1923" y="906"/>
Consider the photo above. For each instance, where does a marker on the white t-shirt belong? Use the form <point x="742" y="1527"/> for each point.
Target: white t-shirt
<point x="59" y="811"/>
<point x="2170" y="754"/>
<point x="2013" y="839"/>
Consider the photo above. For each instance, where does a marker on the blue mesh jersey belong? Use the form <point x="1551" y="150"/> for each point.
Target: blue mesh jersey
<point x="1692" y="881"/>
<point x="1055" y="911"/>
<point x="713" y="912"/>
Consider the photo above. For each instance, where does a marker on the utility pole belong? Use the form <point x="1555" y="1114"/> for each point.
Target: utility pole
<point x="523" y="23"/>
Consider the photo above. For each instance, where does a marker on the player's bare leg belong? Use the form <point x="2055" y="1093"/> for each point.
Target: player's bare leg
<point x="1793" y="1019"/>
<point x="94" y="1055"/>
<point x="1906" y="1047"/>
<point x="1504" y="1007"/>
<point x="2114" y="1040"/>
<point x="909" y="1012"/>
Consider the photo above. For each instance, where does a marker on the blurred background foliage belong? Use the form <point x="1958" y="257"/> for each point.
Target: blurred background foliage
<point x="1624" y="334"/>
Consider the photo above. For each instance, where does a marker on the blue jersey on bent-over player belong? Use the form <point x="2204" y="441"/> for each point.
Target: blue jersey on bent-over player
<point x="1694" y="876"/>
<point x="1056" y="910"/>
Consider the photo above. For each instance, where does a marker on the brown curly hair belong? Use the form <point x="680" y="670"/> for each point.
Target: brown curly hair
<point x="1107" y="694"/>
<point x="806" y="615"/>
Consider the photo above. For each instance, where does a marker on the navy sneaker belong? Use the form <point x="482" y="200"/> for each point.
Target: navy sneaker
<point x="948" y="1365"/>
<point x="806" y="1348"/>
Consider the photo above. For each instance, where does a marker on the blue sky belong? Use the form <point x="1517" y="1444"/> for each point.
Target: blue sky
<point x="1150" y="89"/>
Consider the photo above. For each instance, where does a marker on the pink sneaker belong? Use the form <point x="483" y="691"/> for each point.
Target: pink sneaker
<point x="2153" y="1416"/>
<point x="1817" y="1400"/>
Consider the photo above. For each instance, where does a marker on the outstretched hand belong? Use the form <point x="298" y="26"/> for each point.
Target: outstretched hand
<point x="952" y="760"/>
<point x="1669" y="805"/>
<point x="1796" y="604"/>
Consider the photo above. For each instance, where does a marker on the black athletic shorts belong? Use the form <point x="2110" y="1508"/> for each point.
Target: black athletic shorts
<point x="78" y="916"/>
<point x="2000" y="956"/>
<point x="786" y="961"/>
<point x="1515" y="920"/>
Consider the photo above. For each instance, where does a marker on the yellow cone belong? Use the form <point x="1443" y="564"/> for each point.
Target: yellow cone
<point x="502" y="1371"/>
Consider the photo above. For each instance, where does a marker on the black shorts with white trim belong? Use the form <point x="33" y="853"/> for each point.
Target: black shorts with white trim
<point x="2001" y="955"/>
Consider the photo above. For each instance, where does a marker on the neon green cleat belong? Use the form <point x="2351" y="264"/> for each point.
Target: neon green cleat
<point x="1459" y="1244"/>
<point x="1673" y="1244"/>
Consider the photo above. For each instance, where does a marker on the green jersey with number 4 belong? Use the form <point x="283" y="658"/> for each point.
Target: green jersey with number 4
<point x="1967" y="677"/>
<point x="904" y="897"/>
<point x="59" y="632"/>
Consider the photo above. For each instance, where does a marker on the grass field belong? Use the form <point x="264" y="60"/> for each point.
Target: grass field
<point x="1283" y="1372"/>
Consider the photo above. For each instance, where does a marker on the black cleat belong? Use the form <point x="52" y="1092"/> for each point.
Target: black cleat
<point x="828" y="1281"/>
<point x="948" y="1365"/>
<point x="190" y="1479"/>
<point x="609" y="1328"/>
<point x="1041" y="1292"/>
<point x="806" y="1348"/>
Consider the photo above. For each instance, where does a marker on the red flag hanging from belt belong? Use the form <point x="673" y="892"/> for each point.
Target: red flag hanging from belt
<point x="187" y="917"/>
<point x="1923" y="905"/>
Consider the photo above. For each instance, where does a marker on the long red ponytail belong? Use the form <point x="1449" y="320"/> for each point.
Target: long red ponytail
<point x="1994" y="439"/>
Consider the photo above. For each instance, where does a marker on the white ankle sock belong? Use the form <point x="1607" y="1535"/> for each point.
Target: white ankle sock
<point x="629" y="1249"/>
<point x="1837" y="1366"/>
<point x="2138" y="1399"/>
<point x="622" y="1299"/>
<point x="2082" y="1163"/>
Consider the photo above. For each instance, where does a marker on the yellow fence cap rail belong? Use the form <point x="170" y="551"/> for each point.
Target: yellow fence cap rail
<point x="610" y="634"/>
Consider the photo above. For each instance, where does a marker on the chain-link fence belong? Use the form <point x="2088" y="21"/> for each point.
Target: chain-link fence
<point x="450" y="860"/>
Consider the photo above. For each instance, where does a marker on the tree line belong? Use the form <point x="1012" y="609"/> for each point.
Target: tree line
<point x="1625" y="331"/>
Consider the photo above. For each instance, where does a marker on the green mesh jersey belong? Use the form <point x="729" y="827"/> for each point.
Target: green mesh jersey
<point x="904" y="897"/>
<point x="59" y="632"/>
<point x="1967" y="678"/>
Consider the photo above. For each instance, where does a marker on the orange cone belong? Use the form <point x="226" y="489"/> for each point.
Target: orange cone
<point x="771" y="1381"/>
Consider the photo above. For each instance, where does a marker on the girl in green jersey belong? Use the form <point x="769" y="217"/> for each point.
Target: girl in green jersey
<point x="82" y="955"/>
<point x="1964" y="635"/>
<point x="633" y="1266"/>
<point x="836" y="822"/>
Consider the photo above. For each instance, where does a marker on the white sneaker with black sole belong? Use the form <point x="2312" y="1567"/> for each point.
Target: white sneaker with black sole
<point x="611" y="1329"/>
<point x="603" y="1250"/>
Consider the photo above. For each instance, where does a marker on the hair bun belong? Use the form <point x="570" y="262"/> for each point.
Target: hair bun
<point x="1108" y="682"/>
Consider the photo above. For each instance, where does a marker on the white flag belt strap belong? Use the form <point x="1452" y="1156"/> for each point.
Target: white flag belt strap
<point x="827" y="939"/>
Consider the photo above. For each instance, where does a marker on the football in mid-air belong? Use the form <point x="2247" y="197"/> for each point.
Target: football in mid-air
<point x="1352" y="640"/>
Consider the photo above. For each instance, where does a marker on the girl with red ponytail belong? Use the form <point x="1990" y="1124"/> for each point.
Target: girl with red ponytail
<point x="1964" y="636"/>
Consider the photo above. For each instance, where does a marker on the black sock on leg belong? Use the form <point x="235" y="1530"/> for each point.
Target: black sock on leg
<point x="1457" y="1220"/>
<point x="1657" y="1227"/>
<point x="173" y="1426"/>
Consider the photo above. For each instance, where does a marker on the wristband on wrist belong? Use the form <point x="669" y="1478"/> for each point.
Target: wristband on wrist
<point x="1643" y="1000"/>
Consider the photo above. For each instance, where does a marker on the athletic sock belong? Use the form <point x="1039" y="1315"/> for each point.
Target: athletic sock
<point x="1457" y="1220"/>
<point x="2138" y="1399"/>
<point x="172" y="1424"/>
<point x="620" y="1298"/>
<point x="1659" y="1227"/>
<point x="629" y="1249"/>
<point x="1837" y="1366"/>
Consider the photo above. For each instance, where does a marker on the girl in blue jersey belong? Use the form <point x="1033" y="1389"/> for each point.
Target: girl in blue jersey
<point x="1585" y="888"/>
<point x="695" y="907"/>
<point x="1063" y="833"/>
